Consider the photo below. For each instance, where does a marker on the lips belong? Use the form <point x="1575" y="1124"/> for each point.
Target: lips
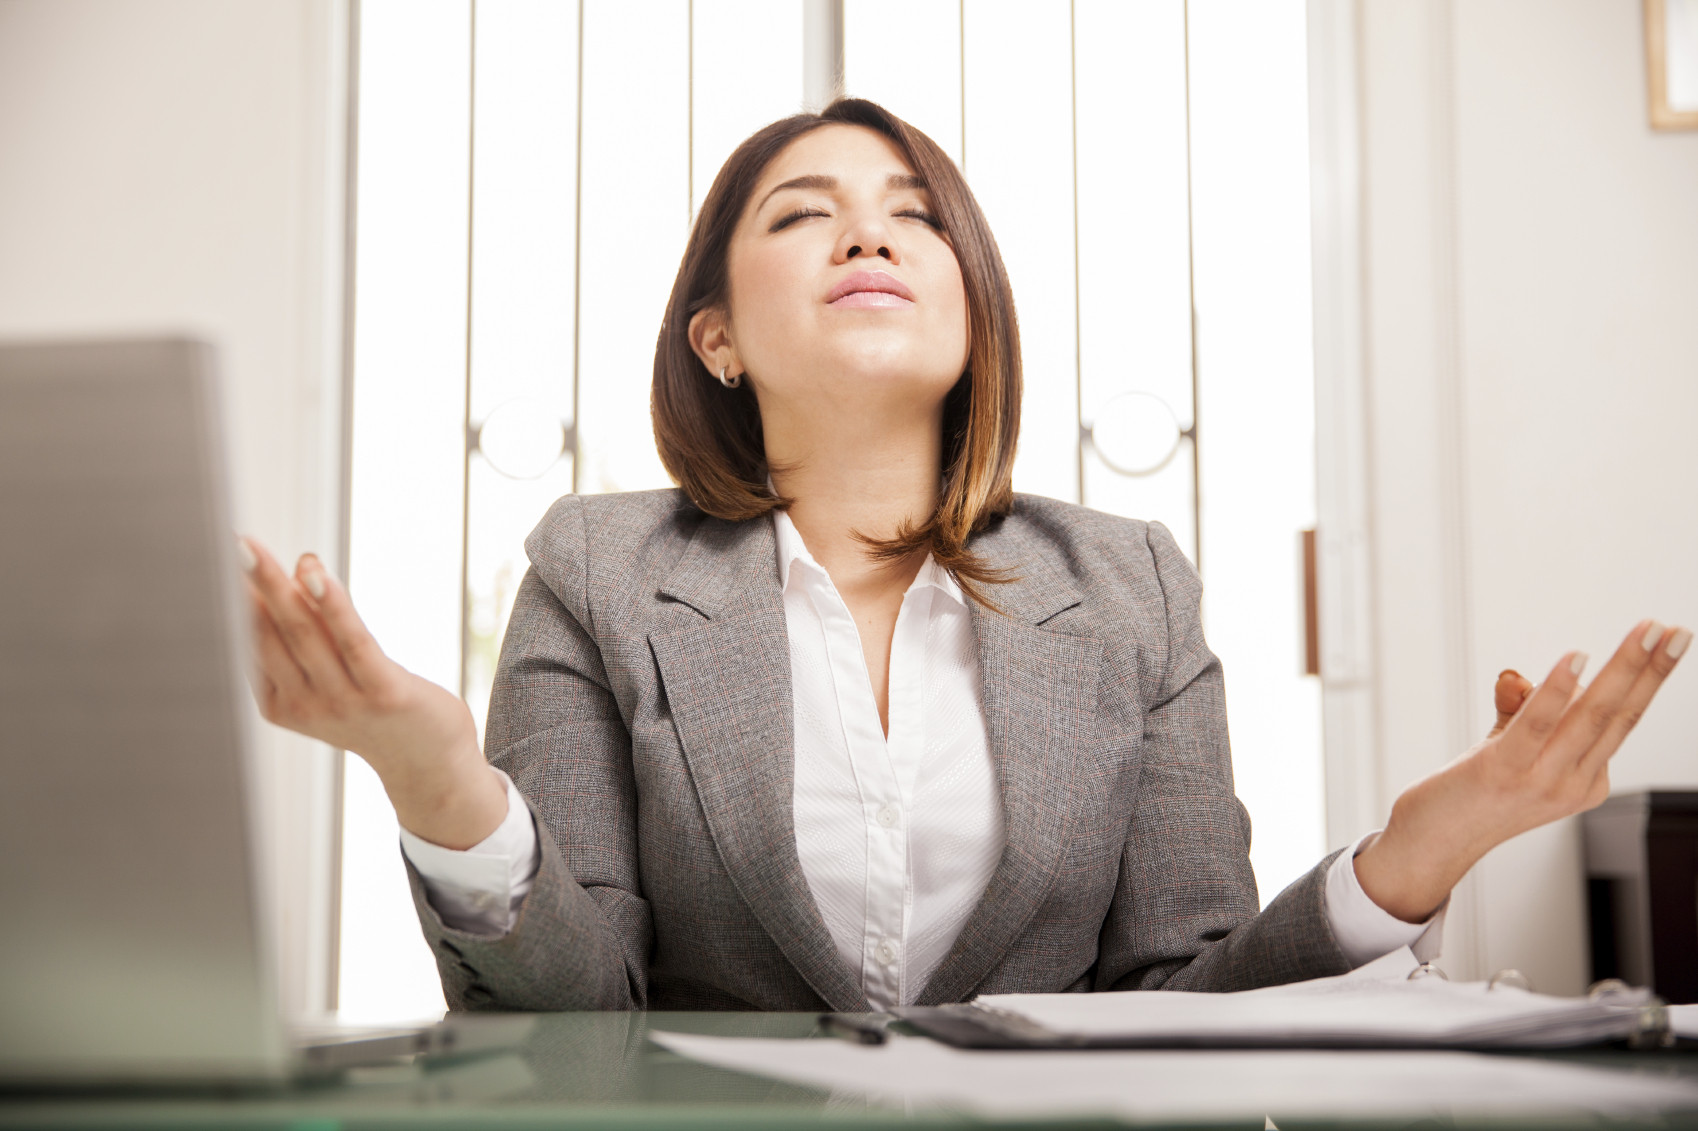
<point x="869" y="288"/>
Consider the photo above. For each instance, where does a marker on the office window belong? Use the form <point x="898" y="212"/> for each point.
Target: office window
<point x="528" y="172"/>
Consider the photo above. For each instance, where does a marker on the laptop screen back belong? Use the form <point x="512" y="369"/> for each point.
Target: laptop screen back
<point x="130" y="918"/>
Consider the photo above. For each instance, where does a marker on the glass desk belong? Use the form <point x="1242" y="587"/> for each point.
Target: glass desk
<point x="598" y="1070"/>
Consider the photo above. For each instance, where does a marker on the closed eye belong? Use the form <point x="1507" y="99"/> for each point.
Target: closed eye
<point x="791" y="217"/>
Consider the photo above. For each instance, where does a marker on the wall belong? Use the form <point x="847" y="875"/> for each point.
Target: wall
<point x="178" y="165"/>
<point x="1526" y="277"/>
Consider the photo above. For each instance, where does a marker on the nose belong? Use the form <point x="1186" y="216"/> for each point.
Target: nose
<point x="865" y="236"/>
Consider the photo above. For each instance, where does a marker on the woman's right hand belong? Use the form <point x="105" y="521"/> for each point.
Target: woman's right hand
<point x="318" y="671"/>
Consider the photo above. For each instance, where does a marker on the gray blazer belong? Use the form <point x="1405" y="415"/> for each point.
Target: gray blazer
<point x="643" y="708"/>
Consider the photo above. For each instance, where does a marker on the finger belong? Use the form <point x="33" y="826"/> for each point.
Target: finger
<point x="358" y="649"/>
<point x="281" y="680"/>
<point x="1542" y="710"/>
<point x="298" y="625"/>
<point x="1597" y="708"/>
<point x="1511" y="692"/>
<point x="1663" y="659"/>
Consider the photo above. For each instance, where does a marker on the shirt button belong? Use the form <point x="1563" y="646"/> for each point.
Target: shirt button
<point x="888" y="816"/>
<point x="886" y="952"/>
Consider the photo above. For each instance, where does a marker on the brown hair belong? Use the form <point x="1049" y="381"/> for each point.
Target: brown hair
<point x="710" y="437"/>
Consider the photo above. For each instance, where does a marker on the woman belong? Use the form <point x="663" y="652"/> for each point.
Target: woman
<point x="842" y="722"/>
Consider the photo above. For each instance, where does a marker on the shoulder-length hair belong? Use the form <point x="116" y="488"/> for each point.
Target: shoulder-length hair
<point x="710" y="437"/>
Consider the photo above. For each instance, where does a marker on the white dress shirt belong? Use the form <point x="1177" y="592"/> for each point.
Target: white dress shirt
<point x="898" y="835"/>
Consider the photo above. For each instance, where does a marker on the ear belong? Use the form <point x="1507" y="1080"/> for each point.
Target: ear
<point x="710" y="338"/>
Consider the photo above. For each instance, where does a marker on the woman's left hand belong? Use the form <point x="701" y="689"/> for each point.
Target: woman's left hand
<point x="1547" y="760"/>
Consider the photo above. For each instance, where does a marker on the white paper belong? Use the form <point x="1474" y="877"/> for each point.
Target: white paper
<point x="1684" y="1019"/>
<point x="916" y="1073"/>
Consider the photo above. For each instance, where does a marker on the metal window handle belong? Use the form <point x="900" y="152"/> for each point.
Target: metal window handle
<point x="522" y="438"/>
<point x="1136" y="434"/>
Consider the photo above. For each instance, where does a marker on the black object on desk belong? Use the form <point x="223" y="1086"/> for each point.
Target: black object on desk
<point x="862" y="1028"/>
<point x="1642" y="890"/>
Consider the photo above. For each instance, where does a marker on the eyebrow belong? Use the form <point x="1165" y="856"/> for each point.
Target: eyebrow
<point x="826" y="184"/>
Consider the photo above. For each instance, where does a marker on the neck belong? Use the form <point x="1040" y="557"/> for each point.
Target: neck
<point x="858" y="474"/>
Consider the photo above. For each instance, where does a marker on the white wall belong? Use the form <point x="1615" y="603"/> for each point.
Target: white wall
<point x="1527" y="276"/>
<point x="178" y="165"/>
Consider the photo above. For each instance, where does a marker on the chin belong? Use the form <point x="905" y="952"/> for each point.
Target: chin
<point x="900" y="379"/>
<point x="903" y="363"/>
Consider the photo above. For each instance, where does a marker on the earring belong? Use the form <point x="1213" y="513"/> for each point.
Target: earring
<point x="729" y="382"/>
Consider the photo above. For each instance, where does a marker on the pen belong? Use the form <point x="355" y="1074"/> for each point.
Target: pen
<point x="865" y="1028"/>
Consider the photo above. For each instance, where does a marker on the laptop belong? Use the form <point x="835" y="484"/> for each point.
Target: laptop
<point x="133" y="917"/>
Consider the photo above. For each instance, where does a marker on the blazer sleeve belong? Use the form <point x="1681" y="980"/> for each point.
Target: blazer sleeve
<point x="583" y="935"/>
<point x="1184" y="914"/>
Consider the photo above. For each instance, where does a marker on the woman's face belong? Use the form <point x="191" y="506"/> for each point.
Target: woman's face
<point x="844" y="294"/>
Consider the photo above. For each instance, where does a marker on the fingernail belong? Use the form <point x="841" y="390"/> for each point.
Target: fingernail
<point x="315" y="584"/>
<point x="1652" y="635"/>
<point x="1678" y="643"/>
<point x="245" y="555"/>
<point x="1578" y="664"/>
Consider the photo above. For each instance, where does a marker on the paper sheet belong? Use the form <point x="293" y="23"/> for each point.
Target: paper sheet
<point x="914" y="1072"/>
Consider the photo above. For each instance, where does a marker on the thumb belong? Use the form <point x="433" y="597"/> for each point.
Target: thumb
<point x="1511" y="691"/>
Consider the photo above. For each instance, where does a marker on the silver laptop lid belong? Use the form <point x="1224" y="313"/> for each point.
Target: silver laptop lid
<point x="132" y="922"/>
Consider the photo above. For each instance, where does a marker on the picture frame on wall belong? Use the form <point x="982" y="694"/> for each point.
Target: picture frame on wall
<point x="1671" y="54"/>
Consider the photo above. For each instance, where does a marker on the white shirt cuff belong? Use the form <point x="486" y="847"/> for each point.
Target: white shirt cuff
<point x="481" y="889"/>
<point x="1364" y="930"/>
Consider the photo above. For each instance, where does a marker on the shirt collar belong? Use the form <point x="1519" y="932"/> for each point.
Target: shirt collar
<point x="792" y="550"/>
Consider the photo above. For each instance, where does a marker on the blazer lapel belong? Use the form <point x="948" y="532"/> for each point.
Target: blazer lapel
<point x="1039" y="691"/>
<point x="727" y="682"/>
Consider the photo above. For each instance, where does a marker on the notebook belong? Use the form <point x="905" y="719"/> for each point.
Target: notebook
<point x="1375" y="1006"/>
